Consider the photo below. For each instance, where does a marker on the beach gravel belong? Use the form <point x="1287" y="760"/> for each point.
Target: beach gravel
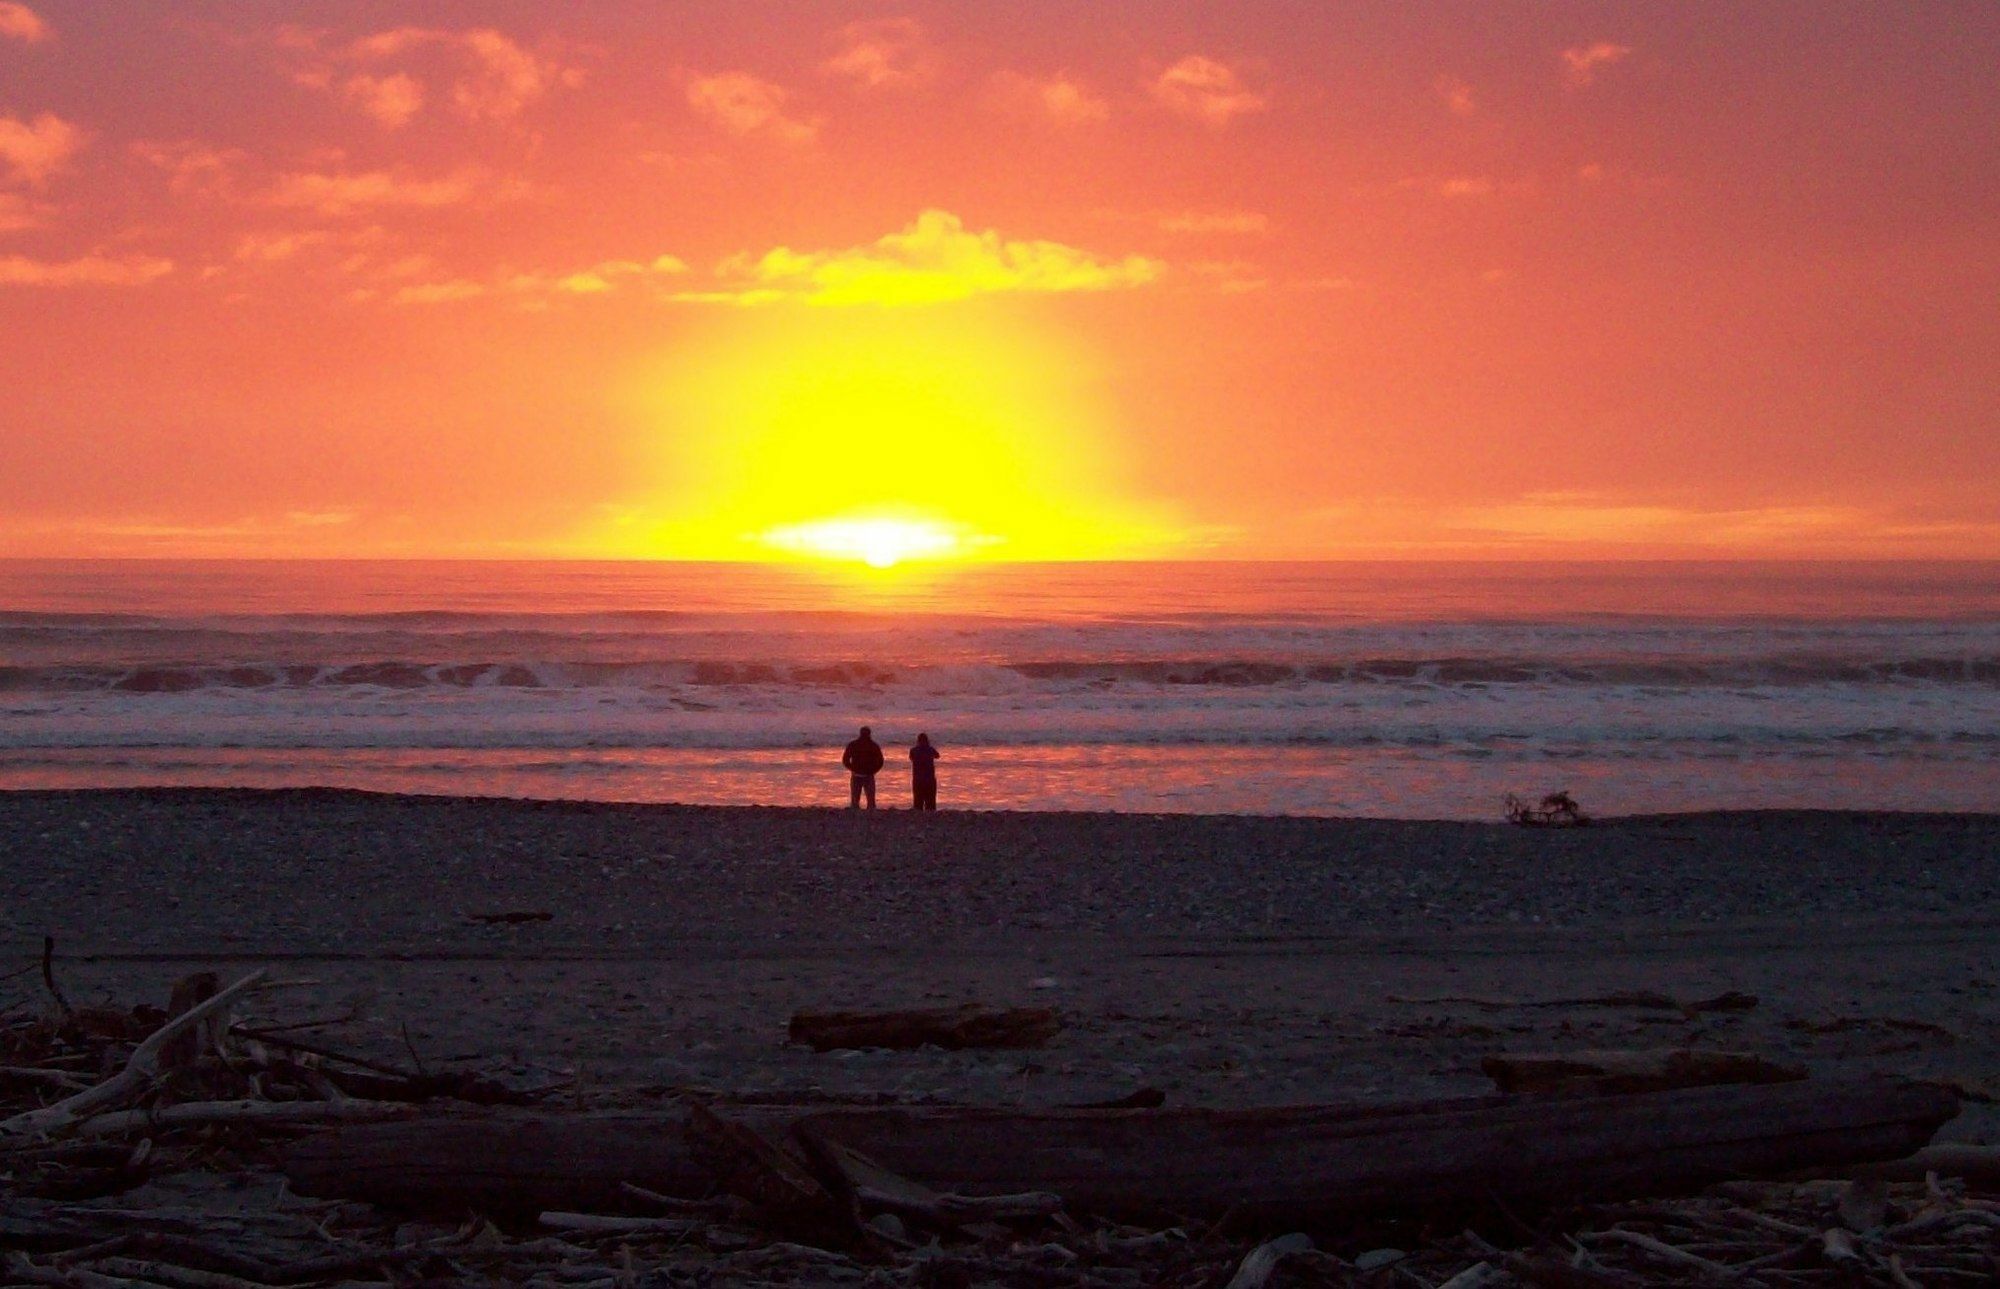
<point x="1223" y="959"/>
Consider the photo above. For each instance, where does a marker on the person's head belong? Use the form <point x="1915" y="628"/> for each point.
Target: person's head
<point x="923" y="740"/>
<point x="866" y="732"/>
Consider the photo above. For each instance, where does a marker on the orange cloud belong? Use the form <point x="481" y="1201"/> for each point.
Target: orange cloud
<point x="746" y="105"/>
<point x="392" y="101"/>
<point x="1242" y="277"/>
<point x="17" y="212"/>
<point x="1452" y="187"/>
<point x="35" y="149"/>
<point x="933" y="261"/>
<point x="512" y="77"/>
<point x="270" y="248"/>
<point x="1596" y="519"/>
<point x="1207" y="90"/>
<point x="493" y="77"/>
<point x="1059" y="98"/>
<point x="192" y="167"/>
<point x="598" y="279"/>
<point x="887" y="53"/>
<point x="1464" y="186"/>
<point x="19" y="22"/>
<point x="294" y="532"/>
<point x="1583" y="61"/>
<point x="343" y="193"/>
<point x="1457" y="95"/>
<point x="89" y="270"/>
<point x="1248" y="223"/>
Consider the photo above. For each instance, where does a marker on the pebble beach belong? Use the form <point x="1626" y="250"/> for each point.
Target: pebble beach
<point x="1220" y="959"/>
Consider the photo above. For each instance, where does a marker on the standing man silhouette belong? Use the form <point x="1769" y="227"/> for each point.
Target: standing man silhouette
<point x="923" y="772"/>
<point x="863" y="758"/>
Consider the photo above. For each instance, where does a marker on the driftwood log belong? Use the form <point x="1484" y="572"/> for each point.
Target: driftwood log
<point x="1629" y="1071"/>
<point x="870" y="1187"/>
<point x="1974" y="1163"/>
<point x="748" y="1164"/>
<point x="503" y="1163"/>
<point x="190" y="992"/>
<point x="1310" y="1160"/>
<point x="952" y="1028"/>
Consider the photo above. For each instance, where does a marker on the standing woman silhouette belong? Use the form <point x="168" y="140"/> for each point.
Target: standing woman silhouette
<point x="923" y="773"/>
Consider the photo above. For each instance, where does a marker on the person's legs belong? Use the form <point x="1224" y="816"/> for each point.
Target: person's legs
<point x="927" y="796"/>
<point x="853" y="791"/>
<point x="868" y="789"/>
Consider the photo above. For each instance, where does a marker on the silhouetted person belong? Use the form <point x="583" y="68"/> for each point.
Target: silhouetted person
<point x="923" y="772"/>
<point x="863" y="758"/>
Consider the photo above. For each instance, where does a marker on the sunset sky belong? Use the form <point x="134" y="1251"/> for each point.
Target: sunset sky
<point x="1030" y="280"/>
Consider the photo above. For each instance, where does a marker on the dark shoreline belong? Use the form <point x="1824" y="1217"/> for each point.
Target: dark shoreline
<point x="590" y="804"/>
<point x="191" y="870"/>
<point x="1229" y="959"/>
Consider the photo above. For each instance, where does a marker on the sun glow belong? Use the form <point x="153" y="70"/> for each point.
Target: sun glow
<point x="879" y="542"/>
<point x="887" y="438"/>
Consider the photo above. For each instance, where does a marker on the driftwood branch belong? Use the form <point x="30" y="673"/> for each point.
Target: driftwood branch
<point x="752" y="1166"/>
<point x="128" y="1082"/>
<point x="260" y="1114"/>
<point x="49" y="976"/>
<point x="603" y="1224"/>
<point x="1261" y="1263"/>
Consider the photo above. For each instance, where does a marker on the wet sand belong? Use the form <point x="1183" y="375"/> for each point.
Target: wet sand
<point x="1226" y="960"/>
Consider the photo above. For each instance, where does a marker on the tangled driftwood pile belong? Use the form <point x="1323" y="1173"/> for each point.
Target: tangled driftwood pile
<point x="175" y="1148"/>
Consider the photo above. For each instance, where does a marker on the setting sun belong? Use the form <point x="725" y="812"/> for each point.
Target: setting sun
<point x="879" y="542"/>
<point x="883" y="440"/>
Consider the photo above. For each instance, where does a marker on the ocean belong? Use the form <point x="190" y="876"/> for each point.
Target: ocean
<point x="1418" y="690"/>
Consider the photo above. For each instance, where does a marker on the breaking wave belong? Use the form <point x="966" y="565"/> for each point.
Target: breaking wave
<point x="1054" y="676"/>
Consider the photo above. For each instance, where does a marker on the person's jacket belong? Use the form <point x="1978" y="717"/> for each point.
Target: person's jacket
<point x="863" y="756"/>
<point x="923" y="763"/>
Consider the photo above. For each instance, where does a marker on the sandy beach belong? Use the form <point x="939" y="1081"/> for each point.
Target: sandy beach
<point x="1224" y="960"/>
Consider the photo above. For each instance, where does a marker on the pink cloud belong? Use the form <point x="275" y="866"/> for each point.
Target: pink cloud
<point x="1241" y="223"/>
<point x="1467" y="188"/>
<point x="1059" y="98"/>
<point x="192" y="167"/>
<point x="1207" y="90"/>
<point x="1464" y="186"/>
<point x="1583" y="61"/>
<point x="887" y="53"/>
<point x="89" y="270"/>
<point x="391" y="101"/>
<point x="270" y="248"/>
<point x="19" y="22"/>
<point x="35" y="149"/>
<point x="537" y="290"/>
<point x="1457" y="95"/>
<point x="492" y="76"/>
<point x="509" y="79"/>
<point x="747" y="106"/>
<point x="17" y="212"/>
<point x="344" y="193"/>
